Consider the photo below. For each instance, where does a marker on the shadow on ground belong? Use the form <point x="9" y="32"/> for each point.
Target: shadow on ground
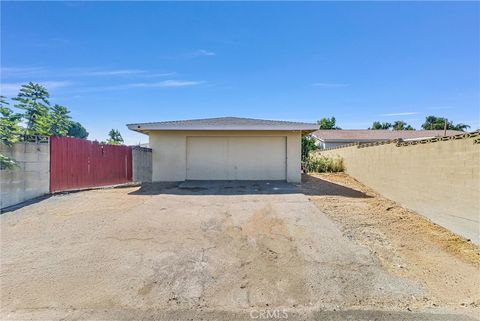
<point x="23" y="204"/>
<point x="310" y="186"/>
<point x="217" y="188"/>
<point x="315" y="186"/>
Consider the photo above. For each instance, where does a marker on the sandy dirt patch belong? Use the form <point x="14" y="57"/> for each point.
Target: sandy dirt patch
<point x="406" y="243"/>
<point x="215" y="252"/>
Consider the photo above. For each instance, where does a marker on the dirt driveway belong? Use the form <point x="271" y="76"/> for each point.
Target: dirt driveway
<point x="234" y="251"/>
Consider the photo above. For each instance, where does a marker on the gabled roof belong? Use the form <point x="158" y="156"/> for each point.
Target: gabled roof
<point x="223" y="123"/>
<point x="380" y="134"/>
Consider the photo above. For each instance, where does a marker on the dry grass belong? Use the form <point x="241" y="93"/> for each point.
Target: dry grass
<point x="316" y="163"/>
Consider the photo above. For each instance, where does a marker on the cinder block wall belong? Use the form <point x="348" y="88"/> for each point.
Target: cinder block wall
<point x="440" y="180"/>
<point x="32" y="177"/>
<point x="142" y="164"/>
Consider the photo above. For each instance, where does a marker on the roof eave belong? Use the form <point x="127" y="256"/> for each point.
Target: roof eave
<point x="141" y="129"/>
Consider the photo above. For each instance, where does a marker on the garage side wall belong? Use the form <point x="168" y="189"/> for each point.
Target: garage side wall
<point x="294" y="155"/>
<point x="169" y="151"/>
<point x="168" y="156"/>
<point x="440" y="180"/>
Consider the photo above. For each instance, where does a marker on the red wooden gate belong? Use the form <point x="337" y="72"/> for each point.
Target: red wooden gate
<point x="78" y="163"/>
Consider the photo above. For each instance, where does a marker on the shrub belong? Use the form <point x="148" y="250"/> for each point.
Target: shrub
<point x="323" y="164"/>
<point x="308" y="146"/>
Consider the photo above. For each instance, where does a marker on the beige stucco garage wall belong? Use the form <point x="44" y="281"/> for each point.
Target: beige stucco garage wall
<point x="440" y="180"/>
<point x="170" y="151"/>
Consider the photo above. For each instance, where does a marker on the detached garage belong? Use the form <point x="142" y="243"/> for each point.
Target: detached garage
<point x="226" y="148"/>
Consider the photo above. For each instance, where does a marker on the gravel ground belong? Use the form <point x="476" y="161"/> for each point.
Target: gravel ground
<point x="234" y="251"/>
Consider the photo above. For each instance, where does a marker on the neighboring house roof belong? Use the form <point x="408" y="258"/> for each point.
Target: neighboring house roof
<point x="224" y="123"/>
<point x="344" y="135"/>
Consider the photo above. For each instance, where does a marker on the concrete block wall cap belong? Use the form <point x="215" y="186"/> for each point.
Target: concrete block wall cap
<point x="400" y="142"/>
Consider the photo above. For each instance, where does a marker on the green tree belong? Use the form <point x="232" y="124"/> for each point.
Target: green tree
<point x="75" y="129"/>
<point x="328" y="123"/>
<point x="378" y="125"/>
<point x="33" y="98"/>
<point x="401" y="125"/>
<point x="10" y="131"/>
<point x="59" y="121"/>
<point x="308" y="144"/>
<point x="438" y="123"/>
<point x="459" y="126"/>
<point x="114" y="137"/>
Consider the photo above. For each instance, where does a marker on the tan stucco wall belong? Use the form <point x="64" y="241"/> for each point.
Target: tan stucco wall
<point x="170" y="151"/>
<point x="440" y="180"/>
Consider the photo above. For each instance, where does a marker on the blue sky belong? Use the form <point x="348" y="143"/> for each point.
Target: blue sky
<point x="115" y="63"/>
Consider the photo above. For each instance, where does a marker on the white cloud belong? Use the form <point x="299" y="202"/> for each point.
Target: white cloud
<point x="55" y="84"/>
<point x="166" y="84"/>
<point x="401" y="114"/>
<point x="115" y="72"/>
<point x="35" y="72"/>
<point x="160" y="84"/>
<point x="329" y="85"/>
<point x="198" y="53"/>
<point x="9" y="89"/>
<point x="190" y="55"/>
<point x="12" y="89"/>
<point x="202" y="52"/>
<point x="21" y="71"/>
<point x="165" y="74"/>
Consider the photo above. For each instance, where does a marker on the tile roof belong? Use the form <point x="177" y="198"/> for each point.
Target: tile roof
<point x="368" y="134"/>
<point x="224" y="123"/>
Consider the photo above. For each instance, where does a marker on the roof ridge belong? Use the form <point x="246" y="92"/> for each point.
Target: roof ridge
<point x="219" y="118"/>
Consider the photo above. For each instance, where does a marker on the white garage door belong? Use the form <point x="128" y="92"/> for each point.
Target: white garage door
<point x="236" y="158"/>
